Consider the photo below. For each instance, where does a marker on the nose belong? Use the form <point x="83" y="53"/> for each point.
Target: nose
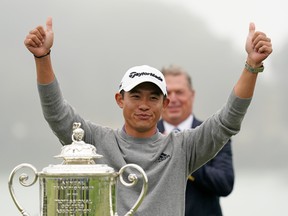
<point x="144" y="105"/>
<point x="172" y="96"/>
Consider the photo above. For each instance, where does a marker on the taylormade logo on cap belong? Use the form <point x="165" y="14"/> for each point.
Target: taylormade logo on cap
<point x="139" y="74"/>
<point x="133" y="74"/>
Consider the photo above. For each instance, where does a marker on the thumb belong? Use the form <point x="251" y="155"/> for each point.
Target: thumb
<point x="49" y="24"/>
<point x="251" y="28"/>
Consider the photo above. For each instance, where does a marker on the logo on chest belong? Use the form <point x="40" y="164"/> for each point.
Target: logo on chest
<point x="163" y="157"/>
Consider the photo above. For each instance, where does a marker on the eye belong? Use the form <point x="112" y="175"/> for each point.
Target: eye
<point x="179" y="93"/>
<point x="155" y="97"/>
<point x="135" y="96"/>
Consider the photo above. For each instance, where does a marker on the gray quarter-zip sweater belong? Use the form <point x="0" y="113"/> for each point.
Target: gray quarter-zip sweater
<point x="166" y="159"/>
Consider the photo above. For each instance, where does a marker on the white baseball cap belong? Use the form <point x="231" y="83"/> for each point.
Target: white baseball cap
<point x="139" y="74"/>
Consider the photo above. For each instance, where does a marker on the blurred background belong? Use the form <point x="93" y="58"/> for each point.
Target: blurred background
<point x="96" y="41"/>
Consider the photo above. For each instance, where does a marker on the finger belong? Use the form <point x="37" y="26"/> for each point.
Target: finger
<point x="262" y="43"/>
<point x="49" y="24"/>
<point x="258" y="36"/>
<point x="33" y="40"/>
<point x="41" y="31"/>
<point x="38" y="32"/>
<point x="266" y="48"/>
<point x="30" y="43"/>
<point x="259" y="39"/>
<point x="251" y="29"/>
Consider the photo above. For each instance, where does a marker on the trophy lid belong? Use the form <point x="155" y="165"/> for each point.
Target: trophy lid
<point x="78" y="152"/>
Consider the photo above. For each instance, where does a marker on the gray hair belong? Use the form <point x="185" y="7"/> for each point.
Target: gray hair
<point x="175" y="70"/>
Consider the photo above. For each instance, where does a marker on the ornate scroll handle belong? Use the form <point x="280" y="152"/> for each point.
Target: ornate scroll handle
<point x="23" y="181"/>
<point x="133" y="180"/>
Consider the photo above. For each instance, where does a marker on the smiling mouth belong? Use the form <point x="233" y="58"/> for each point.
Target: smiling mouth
<point x="173" y="109"/>
<point x="143" y="116"/>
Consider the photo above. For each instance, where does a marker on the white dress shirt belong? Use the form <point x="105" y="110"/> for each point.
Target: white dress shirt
<point x="186" y="124"/>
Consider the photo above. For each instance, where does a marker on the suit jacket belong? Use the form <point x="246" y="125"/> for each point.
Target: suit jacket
<point x="212" y="180"/>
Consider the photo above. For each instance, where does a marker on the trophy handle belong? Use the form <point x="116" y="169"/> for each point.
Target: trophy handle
<point x="23" y="181"/>
<point x="133" y="180"/>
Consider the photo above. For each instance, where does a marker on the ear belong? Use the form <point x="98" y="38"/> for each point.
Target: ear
<point x="193" y="95"/>
<point x="166" y="101"/>
<point x="119" y="99"/>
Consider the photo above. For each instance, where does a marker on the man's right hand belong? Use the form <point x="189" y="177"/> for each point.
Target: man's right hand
<point x="39" y="40"/>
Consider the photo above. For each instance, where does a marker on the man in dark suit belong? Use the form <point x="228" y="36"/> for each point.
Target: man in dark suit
<point x="216" y="178"/>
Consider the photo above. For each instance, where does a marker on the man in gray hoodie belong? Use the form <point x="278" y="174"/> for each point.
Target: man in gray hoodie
<point x="167" y="159"/>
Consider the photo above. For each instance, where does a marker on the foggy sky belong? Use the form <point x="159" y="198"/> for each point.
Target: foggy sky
<point x="96" y="42"/>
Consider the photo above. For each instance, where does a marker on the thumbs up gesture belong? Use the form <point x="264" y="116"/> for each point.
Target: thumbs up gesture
<point x="258" y="47"/>
<point x="40" y="40"/>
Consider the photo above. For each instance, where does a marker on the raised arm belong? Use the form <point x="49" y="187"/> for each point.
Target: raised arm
<point x="258" y="48"/>
<point x="39" y="42"/>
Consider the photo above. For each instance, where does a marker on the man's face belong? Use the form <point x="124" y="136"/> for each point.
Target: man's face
<point x="181" y="99"/>
<point x="142" y="108"/>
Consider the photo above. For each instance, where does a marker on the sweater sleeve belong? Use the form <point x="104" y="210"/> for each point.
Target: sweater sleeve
<point x="210" y="137"/>
<point x="57" y="112"/>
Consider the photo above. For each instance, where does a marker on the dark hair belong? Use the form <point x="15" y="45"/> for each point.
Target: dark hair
<point x="122" y="92"/>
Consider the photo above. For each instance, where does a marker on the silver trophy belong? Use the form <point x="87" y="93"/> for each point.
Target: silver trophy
<point x="78" y="186"/>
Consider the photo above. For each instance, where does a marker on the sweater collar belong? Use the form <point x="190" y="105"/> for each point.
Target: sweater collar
<point x="138" y="140"/>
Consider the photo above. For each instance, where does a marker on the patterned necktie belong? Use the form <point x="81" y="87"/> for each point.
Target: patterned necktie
<point x="176" y="129"/>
